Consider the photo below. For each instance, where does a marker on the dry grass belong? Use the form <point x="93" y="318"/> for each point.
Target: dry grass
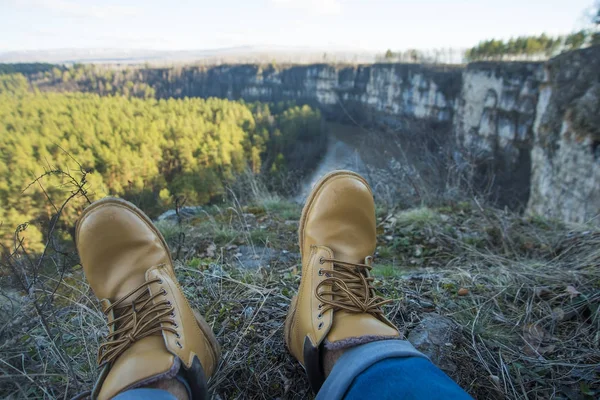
<point x="527" y="317"/>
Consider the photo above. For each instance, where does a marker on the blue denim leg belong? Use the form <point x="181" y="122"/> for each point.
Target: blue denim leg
<point x="388" y="369"/>
<point x="143" y="394"/>
<point x="405" y="378"/>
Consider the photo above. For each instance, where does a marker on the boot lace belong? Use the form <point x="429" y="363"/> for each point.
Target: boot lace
<point x="351" y="288"/>
<point x="135" y="320"/>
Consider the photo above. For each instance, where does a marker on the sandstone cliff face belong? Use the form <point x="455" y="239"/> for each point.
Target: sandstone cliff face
<point x="565" y="180"/>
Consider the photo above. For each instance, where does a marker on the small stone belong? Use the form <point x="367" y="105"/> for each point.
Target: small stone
<point x="495" y="379"/>
<point x="248" y="312"/>
<point x="418" y="250"/>
<point x="435" y="336"/>
<point x="463" y="291"/>
<point x="426" y="304"/>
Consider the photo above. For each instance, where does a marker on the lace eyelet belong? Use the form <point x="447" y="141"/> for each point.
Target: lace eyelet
<point x="176" y="326"/>
<point x="168" y="303"/>
<point x="321" y="260"/>
<point x="179" y="344"/>
<point x="163" y="292"/>
<point x="319" y="316"/>
<point x="320" y="272"/>
<point x="160" y="282"/>
<point x="320" y="326"/>
<point x="177" y="335"/>
<point x="320" y="306"/>
<point x="172" y="315"/>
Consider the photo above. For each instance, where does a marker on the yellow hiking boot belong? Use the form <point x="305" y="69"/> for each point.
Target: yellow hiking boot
<point x="336" y="306"/>
<point x="153" y="332"/>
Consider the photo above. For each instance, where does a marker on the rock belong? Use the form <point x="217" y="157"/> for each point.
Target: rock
<point x="418" y="250"/>
<point x="248" y="312"/>
<point x="217" y="270"/>
<point x="494" y="121"/>
<point x="184" y="213"/>
<point x="11" y="303"/>
<point x="435" y="337"/>
<point x="249" y="257"/>
<point x="565" y="162"/>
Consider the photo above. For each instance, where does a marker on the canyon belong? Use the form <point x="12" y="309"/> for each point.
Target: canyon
<point x="531" y="129"/>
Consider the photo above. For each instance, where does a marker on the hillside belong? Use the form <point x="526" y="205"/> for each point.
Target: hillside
<point x="147" y="150"/>
<point x="507" y="305"/>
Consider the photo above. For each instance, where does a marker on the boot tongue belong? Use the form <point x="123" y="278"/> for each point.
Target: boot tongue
<point x="146" y="360"/>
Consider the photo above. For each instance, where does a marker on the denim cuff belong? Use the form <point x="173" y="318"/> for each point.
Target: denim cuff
<point x="358" y="359"/>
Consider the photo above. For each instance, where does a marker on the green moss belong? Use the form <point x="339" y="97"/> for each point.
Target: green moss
<point x="283" y="209"/>
<point x="386" y="271"/>
<point x="418" y="217"/>
<point x="385" y="252"/>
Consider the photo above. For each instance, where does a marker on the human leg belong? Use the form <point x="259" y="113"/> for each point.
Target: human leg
<point x="337" y="311"/>
<point x="388" y="370"/>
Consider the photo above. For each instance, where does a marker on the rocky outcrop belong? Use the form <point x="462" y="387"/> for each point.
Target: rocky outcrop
<point x="494" y="126"/>
<point x="565" y="180"/>
<point x="373" y="92"/>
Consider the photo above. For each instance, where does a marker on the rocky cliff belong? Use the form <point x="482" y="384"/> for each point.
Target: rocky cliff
<point x="383" y="90"/>
<point x="489" y="107"/>
<point x="530" y="130"/>
<point x="565" y="180"/>
<point x="493" y="124"/>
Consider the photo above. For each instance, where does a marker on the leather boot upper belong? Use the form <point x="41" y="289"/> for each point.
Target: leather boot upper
<point x="336" y="301"/>
<point x="152" y="329"/>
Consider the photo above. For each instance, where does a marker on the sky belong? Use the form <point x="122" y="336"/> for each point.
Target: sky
<point x="372" y="25"/>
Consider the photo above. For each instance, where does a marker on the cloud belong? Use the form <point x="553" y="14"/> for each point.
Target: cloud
<point x="77" y="9"/>
<point x="322" y="7"/>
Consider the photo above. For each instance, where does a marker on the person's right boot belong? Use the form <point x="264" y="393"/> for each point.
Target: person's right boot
<point x="336" y="307"/>
<point x="154" y="335"/>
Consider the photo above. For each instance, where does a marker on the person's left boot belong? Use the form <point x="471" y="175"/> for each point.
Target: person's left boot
<point x="154" y="334"/>
<point x="337" y="307"/>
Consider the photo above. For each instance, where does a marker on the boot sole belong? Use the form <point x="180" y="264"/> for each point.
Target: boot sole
<point x="305" y="210"/>
<point x="287" y="329"/>
<point x="204" y="326"/>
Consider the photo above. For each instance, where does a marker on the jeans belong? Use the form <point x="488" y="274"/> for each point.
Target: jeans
<point x="388" y="369"/>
